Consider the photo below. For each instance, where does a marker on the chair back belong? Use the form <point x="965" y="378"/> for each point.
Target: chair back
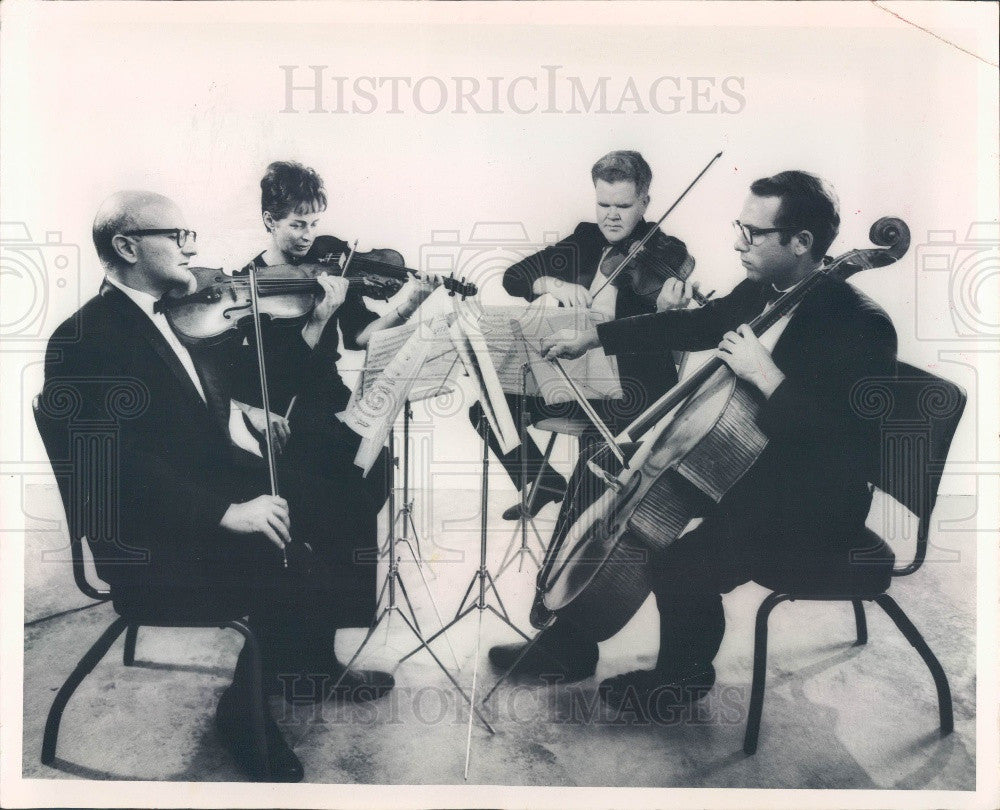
<point x="918" y="414"/>
<point x="56" y="438"/>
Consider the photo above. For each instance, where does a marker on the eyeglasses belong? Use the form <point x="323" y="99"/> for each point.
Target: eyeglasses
<point x="181" y="235"/>
<point x="749" y="233"/>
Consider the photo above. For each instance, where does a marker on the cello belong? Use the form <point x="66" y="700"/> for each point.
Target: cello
<point x="595" y="574"/>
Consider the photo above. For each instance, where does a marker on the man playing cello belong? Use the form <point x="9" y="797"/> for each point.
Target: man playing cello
<point x="807" y="496"/>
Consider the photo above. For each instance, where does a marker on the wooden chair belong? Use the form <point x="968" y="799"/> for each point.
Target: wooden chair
<point x="918" y="415"/>
<point x="84" y="459"/>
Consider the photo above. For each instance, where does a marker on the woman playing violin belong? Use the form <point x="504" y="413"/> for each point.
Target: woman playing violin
<point x="302" y="362"/>
<point x="305" y="384"/>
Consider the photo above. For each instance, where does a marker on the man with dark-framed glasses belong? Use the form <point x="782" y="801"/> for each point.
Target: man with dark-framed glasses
<point x="184" y="521"/>
<point x="807" y="497"/>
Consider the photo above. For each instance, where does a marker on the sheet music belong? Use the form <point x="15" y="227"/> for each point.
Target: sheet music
<point x="507" y="349"/>
<point x="372" y="414"/>
<point x="508" y="352"/>
<point x="383" y="346"/>
<point x="476" y="357"/>
<point x="595" y="373"/>
<point x="440" y="366"/>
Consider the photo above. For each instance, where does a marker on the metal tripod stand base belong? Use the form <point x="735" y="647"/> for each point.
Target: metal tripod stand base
<point x="385" y="615"/>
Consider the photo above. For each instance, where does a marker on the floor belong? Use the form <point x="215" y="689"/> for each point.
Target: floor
<point x="835" y="715"/>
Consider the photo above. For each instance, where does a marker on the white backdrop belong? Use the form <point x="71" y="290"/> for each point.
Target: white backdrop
<point x="187" y="100"/>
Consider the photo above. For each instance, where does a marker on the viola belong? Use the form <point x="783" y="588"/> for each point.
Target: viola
<point x="654" y="262"/>
<point x="286" y="292"/>
<point x="648" y="275"/>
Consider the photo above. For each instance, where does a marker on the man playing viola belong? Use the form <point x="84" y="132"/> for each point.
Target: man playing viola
<point x="574" y="272"/>
<point x="807" y="497"/>
<point x="193" y="528"/>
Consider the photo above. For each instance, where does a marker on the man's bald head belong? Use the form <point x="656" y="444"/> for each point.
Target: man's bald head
<point x="127" y="211"/>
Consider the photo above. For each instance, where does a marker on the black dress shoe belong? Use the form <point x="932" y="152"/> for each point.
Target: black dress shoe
<point x="356" y="685"/>
<point x="232" y="721"/>
<point x="558" y="653"/>
<point x="650" y="693"/>
<point x="544" y="497"/>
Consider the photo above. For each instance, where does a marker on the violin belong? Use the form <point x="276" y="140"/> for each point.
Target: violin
<point x="286" y="292"/>
<point x="380" y="273"/>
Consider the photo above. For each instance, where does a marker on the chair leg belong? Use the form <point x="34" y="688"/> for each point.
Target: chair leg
<point x="860" y="621"/>
<point x="902" y="621"/>
<point x="83" y="669"/>
<point x="759" y="671"/>
<point x="256" y="697"/>
<point x="131" y="635"/>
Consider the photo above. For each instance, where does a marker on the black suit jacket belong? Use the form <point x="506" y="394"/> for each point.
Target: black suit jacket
<point x="821" y="454"/>
<point x="645" y="375"/>
<point x="172" y="476"/>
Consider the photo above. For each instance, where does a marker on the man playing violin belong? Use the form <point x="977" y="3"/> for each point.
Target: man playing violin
<point x="187" y="524"/>
<point x="807" y="497"/>
<point x="573" y="271"/>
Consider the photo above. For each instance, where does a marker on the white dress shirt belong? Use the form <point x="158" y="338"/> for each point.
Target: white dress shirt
<point x="145" y="302"/>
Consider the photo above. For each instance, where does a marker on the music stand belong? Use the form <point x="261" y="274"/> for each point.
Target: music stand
<point x="481" y="578"/>
<point x="393" y="579"/>
<point x="527" y="502"/>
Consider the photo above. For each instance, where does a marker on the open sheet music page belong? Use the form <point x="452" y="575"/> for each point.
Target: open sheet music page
<point x="595" y="373"/>
<point x="440" y="366"/>
<point x="475" y="355"/>
<point x="508" y="352"/>
<point x="372" y="414"/>
<point x="383" y="346"/>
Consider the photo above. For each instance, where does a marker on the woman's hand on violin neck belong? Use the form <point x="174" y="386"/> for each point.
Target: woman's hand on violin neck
<point x="749" y="360"/>
<point x="569" y="343"/>
<point x="334" y="292"/>
<point x="565" y="292"/>
<point x="265" y="515"/>
<point x="417" y="289"/>
<point x="675" y="294"/>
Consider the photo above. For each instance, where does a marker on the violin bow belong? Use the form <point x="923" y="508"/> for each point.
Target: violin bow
<point x="261" y="367"/>
<point x="589" y="411"/>
<point x="638" y="245"/>
<point x="350" y="256"/>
